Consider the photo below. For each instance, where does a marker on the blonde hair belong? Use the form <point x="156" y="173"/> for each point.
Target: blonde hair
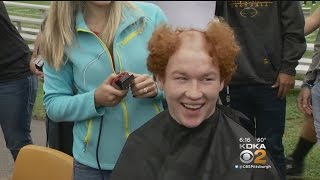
<point x="59" y="29"/>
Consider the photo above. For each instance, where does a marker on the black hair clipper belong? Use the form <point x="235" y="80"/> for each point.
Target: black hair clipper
<point x="122" y="81"/>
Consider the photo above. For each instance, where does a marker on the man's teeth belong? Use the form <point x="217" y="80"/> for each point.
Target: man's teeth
<point x="189" y="106"/>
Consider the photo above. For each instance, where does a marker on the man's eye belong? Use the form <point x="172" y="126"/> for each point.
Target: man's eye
<point x="207" y="79"/>
<point x="181" y="78"/>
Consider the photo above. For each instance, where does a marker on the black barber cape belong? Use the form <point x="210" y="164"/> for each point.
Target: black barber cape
<point x="164" y="150"/>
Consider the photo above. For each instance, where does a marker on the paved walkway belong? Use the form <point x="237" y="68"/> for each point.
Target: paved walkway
<point x="6" y="162"/>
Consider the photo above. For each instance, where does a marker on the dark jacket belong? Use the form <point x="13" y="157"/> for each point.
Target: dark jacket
<point x="271" y="38"/>
<point x="14" y="53"/>
<point x="164" y="150"/>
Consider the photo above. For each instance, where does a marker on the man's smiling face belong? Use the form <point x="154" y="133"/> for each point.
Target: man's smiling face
<point x="192" y="81"/>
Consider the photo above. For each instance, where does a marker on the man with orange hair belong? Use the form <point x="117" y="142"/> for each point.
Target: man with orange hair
<point x="194" y="138"/>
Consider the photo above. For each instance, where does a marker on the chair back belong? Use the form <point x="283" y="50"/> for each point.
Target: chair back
<point x="42" y="163"/>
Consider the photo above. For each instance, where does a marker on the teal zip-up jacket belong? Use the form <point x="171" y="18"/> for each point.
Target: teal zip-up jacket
<point x="87" y="64"/>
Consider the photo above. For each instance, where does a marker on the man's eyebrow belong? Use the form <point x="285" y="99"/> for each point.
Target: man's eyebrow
<point x="210" y="73"/>
<point x="178" y="72"/>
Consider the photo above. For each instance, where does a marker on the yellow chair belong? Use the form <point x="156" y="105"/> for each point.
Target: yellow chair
<point x="42" y="163"/>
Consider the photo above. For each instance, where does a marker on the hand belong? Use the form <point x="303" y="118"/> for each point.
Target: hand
<point x="285" y="82"/>
<point x="107" y="95"/>
<point x="35" y="71"/>
<point x="304" y="101"/>
<point x="143" y="86"/>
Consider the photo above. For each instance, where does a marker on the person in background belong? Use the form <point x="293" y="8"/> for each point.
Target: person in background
<point x="308" y="137"/>
<point x="100" y="48"/>
<point x="272" y="41"/>
<point x="18" y="86"/>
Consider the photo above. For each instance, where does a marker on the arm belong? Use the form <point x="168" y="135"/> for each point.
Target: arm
<point x="63" y="105"/>
<point x="36" y="51"/>
<point x="311" y="75"/>
<point x="34" y="55"/>
<point x="36" y="45"/>
<point x="293" y="44"/>
<point x="312" y="22"/>
<point x="59" y="99"/>
<point x="304" y="98"/>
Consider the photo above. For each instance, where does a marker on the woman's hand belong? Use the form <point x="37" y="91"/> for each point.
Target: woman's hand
<point x="35" y="71"/>
<point x="107" y="95"/>
<point x="143" y="86"/>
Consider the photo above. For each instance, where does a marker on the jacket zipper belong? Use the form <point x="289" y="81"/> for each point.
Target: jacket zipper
<point x="103" y="45"/>
<point x="88" y="135"/>
<point x="123" y="102"/>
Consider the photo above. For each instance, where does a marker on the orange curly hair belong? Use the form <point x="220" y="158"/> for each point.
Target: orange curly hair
<point x="223" y="48"/>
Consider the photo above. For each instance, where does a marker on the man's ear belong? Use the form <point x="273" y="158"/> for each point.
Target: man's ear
<point x="160" y="82"/>
<point x="221" y="85"/>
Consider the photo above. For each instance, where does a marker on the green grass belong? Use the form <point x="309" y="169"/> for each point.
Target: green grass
<point x="294" y="118"/>
<point x="311" y="37"/>
<point x="308" y="54"/>
<point x="38" y="109"/>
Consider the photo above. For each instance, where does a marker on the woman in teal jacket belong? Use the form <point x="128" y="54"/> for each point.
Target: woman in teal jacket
<point x="85" y="43"/>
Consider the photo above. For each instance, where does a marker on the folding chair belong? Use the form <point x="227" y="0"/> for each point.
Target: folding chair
<point x="42" y="163"/>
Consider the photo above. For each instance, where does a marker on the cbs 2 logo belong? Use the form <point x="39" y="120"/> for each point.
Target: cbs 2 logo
<point x="246" y="156"/>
